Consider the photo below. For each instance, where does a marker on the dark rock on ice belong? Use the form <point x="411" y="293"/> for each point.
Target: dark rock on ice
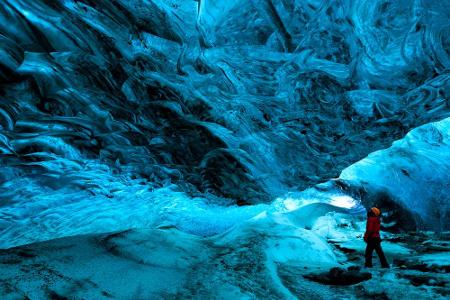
<point x="340" y="276"/>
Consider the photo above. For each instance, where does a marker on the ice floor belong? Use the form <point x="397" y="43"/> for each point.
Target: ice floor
<point x="268" y="256"/>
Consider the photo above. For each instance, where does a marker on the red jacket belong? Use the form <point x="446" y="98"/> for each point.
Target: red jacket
<point x="372" y="228"/>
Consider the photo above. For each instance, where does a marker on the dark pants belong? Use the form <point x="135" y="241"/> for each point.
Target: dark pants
<point x="375" y="244"/>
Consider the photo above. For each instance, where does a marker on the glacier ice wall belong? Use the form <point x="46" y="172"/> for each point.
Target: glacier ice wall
<point x="412" y="173"/>
<point x="231" y="102"/>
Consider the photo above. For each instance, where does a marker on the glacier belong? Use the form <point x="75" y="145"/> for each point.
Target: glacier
<point x="242" y="139"/>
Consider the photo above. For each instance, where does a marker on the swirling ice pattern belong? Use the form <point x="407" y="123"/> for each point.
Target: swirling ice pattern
<point x="229" y="101"/>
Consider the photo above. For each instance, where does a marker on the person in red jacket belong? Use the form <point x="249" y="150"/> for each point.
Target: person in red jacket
<point x="372" y="238"/>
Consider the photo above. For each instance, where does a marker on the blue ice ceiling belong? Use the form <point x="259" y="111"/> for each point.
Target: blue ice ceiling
<point x="118" y="114"/>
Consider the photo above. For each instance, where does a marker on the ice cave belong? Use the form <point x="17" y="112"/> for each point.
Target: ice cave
<point x="224" y="149"/>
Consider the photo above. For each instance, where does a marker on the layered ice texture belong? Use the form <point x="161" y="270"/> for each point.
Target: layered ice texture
<point x="202" y="114"/>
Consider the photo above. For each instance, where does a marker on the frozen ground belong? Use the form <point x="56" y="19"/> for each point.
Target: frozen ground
<point x="269" y="256"/>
